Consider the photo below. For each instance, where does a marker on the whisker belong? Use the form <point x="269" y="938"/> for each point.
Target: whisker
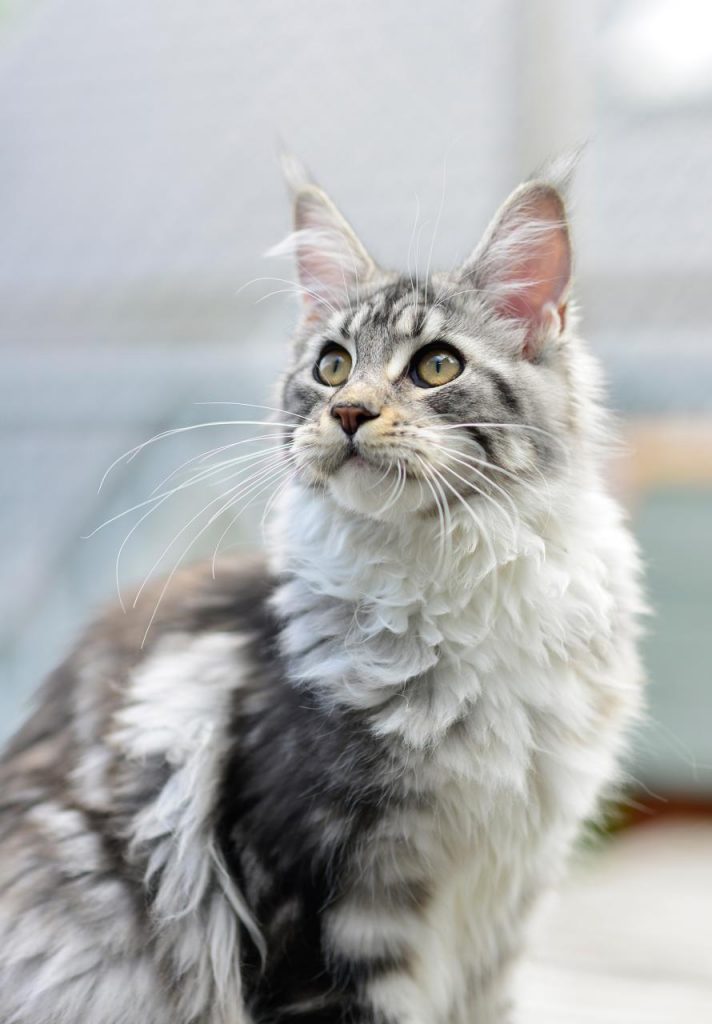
<point x="381" y="478"/>
<point x="252" y="405"/>
<point x="293" y="285"/>
<point x="276" y="473"/>
<point x="257" y="475"/>
<point x="137" y="449"/>
<point x="418" y="283"/>
<point x="498" y="469"/>
<point x="510" y="426"/>
<point x="198" y="477"/>
<point x="413" y="283"/>
<point x="483" y="494"/>
<point x="437" y="220"/>
<point x="513" y="476"/>
<point x="134" y="528"/>
<point x="491" y="483"/>
<point x="216" y="451"/>
<point x="271" y="501"/>
<point x="397" y="489"/>
<point x="444" y="520"/>
<point x="182" y="556"/>
<point x="481" y="533"/>
<point x="270" y="457"/>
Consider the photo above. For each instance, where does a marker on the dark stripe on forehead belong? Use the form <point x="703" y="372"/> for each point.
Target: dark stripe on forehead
<point x="398" y="307"/>
<point x="380" y="314"/>
<point x="384" y="307"/>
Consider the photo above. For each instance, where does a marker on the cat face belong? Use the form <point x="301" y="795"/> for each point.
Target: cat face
<point x="411" y="395"/>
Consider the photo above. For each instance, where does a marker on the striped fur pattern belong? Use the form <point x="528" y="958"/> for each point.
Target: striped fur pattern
<point x="331" y="785"/>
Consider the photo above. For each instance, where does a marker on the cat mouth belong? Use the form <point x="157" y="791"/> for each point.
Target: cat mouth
<point x="353" y="458"/>
<point x="356" y="458"/>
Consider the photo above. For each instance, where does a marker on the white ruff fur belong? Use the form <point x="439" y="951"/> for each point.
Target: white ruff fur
<point x="526" y="648"/>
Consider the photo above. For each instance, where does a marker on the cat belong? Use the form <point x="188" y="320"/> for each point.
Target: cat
<point x="330" y="785"/>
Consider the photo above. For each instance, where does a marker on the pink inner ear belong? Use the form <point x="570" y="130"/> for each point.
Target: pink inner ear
<point x="537" y="278"/>
<point x="319" y="274"/>
<point x="330" y="259"/>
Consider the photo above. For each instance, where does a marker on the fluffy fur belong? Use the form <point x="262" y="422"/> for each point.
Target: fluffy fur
<point x="330" y="788"/>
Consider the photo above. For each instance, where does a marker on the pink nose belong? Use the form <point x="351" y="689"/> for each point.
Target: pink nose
<point x="352" y="416"/>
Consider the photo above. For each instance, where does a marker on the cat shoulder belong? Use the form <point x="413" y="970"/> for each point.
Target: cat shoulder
<point x="202" y="617"/>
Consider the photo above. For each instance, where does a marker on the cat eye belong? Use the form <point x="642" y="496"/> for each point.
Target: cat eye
<point x="334" y="366"/>
<point x="435" y="365"/>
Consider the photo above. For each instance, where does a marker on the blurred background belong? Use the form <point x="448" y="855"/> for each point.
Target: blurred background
<point x="140" y="186"/>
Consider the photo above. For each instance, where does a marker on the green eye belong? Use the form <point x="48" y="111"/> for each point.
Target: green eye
<point x="334" y="367"/>
<point x="435" y="366"/>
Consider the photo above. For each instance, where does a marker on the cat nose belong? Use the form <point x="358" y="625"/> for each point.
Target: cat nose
<point x="352" y="416"/>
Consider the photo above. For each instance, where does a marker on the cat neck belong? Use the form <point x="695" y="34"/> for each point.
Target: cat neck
<point x="368" y="607"/>
<point x="340" y="554"/>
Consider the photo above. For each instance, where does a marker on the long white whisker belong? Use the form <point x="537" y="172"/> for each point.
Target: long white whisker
<point x="410" y="244"/>
<point x="397" y="489"/>
<point x="492" y="466"/>
<point x="381" y="478"/>
<point x="510" y="426"/>
<point x="437" y="221"/>
<point x="443" y="510"/>
<point x="293" y="285"/>
<point x="233" y="491"/>
<point x="481" y="533"/>
<point x="417" y="258"/>
<point x="131" y="454"/>
<point x="251" y="405"/>
<point x="182" y="557"/>
<point x="270" y="457"/>
<point x="216" y="451"/>
<point x="160" y="500"/>
<point x="273" y="498"/>
<point x="491" y="483"/>
<point x="290" y="291"/>
<point x="285" y="464"/>
<point x="506" y="472"/>
<point x="199" y="477"/>
<point x="483" y="494"/>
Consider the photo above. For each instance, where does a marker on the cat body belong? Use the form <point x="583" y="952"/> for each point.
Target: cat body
<point x="330" y="786"/>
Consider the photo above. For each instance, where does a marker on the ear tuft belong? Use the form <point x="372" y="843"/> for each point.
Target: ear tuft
<point x="294" y="172"/>
<point x="523" y="264"/>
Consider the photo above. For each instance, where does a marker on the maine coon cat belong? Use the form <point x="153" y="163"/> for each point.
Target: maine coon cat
<point x="330" y="786"/>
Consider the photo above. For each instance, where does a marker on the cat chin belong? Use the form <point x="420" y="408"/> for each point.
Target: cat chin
<point x="358" y="487"/>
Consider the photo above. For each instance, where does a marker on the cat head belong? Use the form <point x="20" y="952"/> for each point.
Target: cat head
<point x="413" y="392"/>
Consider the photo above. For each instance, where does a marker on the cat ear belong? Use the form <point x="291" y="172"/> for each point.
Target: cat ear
<point x="331" y="261"/>
<point x="523" y="264"/>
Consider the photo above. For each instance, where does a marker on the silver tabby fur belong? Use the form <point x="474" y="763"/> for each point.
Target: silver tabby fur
<point x="330" y="787"/>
